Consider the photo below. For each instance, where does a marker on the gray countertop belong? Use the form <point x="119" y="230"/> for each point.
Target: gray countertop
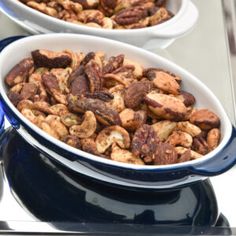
<point x="204" y="52"/>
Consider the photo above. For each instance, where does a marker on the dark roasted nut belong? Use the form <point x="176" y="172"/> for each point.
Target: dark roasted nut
<point x="108" y="7"/>
<point x="165" y="154"/>
<point x="78" y="82"/>
<point x="200" y="145"/>
<point x="135" y="93"/>
<point x="165" y="106"/>
<point x="14" y="97"/>
<point x="186" y="156"/>
<point x="113" y="64"/>
<point x="101" y="95"/>
<point x="144" y="142"/>
<point x="205" y="119"/>
<point x="72" y="140"/>
<point x="160" y="3"/>
<point x="103" y="113"/>
<point x="93" y="73"/>
<point x="89" y="56"/>
<point x="89" y="145"/>
<point x="130" y="15"/>
<point x="132" y="120"/>
<point x="28" y="90"/>
<point x="52" y="86"/>
<point x="213" y="138"/>
<point x="51" y="59"/>
<point x="20" y="72"/>
<point x="187" y="98"/>
<point x="112" y="135"/>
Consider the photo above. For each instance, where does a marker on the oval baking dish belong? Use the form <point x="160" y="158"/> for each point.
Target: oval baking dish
<point x="163" y="176"/>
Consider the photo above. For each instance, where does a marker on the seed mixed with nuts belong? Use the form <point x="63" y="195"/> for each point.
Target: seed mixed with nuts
<point x="108" y="14"/>
<point x="112" y="107"/>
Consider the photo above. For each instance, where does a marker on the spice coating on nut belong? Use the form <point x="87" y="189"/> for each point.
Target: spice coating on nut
<point x="113" y="107"/>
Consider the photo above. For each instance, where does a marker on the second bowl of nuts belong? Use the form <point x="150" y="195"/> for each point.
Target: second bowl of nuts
<point x="114" y="112"/>
<point x="149" y="23"/>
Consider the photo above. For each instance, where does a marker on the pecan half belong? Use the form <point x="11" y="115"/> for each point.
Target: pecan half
<point x="144" y="142"/>
<point x="78" y="82"/>
<point x="200" y="145"/>
<point x="93" y="73"/>
<point x="113" y="64"/>
<point x="130" y="16"/>
<point x="51" y="59"/>
<point x="165" y="154"/>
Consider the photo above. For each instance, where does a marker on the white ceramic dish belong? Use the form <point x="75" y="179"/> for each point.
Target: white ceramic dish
<point x="159" y="36"/>
<point x="216" y="162"/>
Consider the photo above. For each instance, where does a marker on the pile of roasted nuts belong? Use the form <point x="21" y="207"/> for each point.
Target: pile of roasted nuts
<point x="109" y="14"/>
<point x="112" y="107"/>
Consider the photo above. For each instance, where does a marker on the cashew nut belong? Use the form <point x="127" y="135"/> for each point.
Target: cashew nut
<point x="110" y="135"/>
<point x="56" y="125"/>
<point x="189" y="128"/>
<point x="125" y="156"/>
<point x="179" y="138"/>
<point x="182" y="150"/>
<point x="164" y="128"/>
<point x="87" y="128"/>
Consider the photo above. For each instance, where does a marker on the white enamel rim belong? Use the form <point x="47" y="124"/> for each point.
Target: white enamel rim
<point x="74" y="26"/>
<point x="101" y="41"/>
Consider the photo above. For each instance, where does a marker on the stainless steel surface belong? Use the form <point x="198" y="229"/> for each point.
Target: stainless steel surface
<point x="205" y="53"/>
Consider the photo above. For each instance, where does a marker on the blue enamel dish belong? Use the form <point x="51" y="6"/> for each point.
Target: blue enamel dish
<point x="167" y="176"/>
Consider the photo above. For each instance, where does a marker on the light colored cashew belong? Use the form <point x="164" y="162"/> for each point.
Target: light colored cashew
<point x="36" y="117"/>
<point x="110" y="135"/>
<point x="213" y="138"/>
<point x="189" y="128"/>
<point x="59" y="109"/>
<point x="25" y="104"/>
<point x="125" y="156"/>
<point x="164" y="128"/>
<point x="107" y="23"/>
<point x="117" y="103"/>
<point x="182" y="150"/>
<point x="87" y="127"/>
<point x="138" y="68"/>
<point x="70" y="119"/>
<point x="179" y="138"/>
<point x="131" y="120"/>
<point x="56" y="125"/>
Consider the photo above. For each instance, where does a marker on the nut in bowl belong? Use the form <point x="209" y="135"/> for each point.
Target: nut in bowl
<point x="142" y="23"/>
<point x="130" y="118"/>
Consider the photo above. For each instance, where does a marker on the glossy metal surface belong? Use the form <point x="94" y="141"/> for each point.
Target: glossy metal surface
<point x="51" y="193"/>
